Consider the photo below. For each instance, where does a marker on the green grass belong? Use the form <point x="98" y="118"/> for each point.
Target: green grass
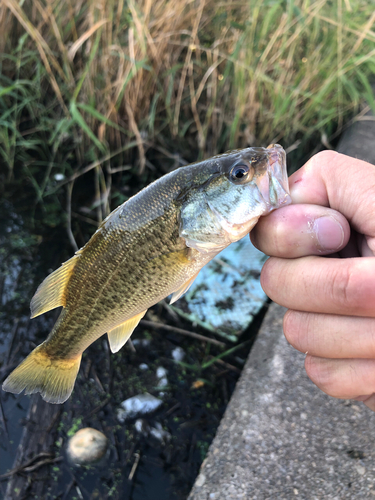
<point x="145" y="84"/>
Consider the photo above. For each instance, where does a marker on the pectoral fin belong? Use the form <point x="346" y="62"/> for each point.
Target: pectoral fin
<point x="120" y="335"/>
<point x="51" y="293"/>
<point x="183" y="289"/>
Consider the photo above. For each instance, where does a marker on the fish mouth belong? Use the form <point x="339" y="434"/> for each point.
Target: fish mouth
<point x="273" y="183"/>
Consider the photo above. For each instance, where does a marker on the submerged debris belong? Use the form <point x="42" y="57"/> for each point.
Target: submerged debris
<point x="143" y="404"/>
<point x="142" y="427"/>
<point x="87" y="446"/>
<point x="178" y="354"/>
<point x="160" y="434"/>
<point x="161" y="374"/>
<point x="157" y="432"/>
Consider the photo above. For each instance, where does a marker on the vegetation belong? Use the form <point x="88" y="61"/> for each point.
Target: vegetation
<point x="117" y="82"/>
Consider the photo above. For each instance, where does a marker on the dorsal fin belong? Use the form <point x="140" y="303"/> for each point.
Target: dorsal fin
<point x="183" y="289"/>
<point x="51" y="293"/>
<point x="120" y="335"/>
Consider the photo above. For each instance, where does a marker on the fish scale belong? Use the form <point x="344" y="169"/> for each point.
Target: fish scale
<point x="148" y="248"/>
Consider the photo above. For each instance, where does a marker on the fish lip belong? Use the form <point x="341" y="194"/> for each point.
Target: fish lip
<point x="273" y="185"/>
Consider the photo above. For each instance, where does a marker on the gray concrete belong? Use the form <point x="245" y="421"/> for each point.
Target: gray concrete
<point x="282" y="438"/>
<point x="359" y="139"/>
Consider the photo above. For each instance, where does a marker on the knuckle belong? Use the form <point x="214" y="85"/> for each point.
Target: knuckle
<point x="341" y="286"/>
<point x="267" y="276"/>
<point x="326" y="156"/>
<point x="371" y="334"/>
<point x="294" y="330"/>
<point x="366" y="341"/>
<point x="326" y="159"/>
<point x="300" y="330"/>
<point x="273" y="279"/>
<point x="321" y="373"/>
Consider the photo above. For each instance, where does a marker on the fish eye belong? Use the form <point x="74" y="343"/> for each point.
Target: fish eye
<point x="240" y="173"/>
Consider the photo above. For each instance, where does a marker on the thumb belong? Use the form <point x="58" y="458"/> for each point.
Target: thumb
<point x="342" y="183"/>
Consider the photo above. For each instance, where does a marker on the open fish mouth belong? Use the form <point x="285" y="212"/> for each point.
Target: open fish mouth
<point x="273" y="183"/>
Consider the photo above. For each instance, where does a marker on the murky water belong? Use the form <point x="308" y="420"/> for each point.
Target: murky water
<point x="20" y="268"/>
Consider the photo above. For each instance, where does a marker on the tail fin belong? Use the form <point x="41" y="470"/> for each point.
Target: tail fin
<point x="53" y="378"/>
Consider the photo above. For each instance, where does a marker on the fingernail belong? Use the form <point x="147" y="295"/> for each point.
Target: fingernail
<point x="329" y="233"/>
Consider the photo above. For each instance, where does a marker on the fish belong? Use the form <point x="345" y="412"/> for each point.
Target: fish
<point x="148" y="248"/>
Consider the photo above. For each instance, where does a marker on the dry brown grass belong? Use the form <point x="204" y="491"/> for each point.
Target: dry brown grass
<point x="200" y="75"/>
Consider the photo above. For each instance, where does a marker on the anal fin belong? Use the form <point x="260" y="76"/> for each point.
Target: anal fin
<point x="183" y="289"/>
<point x="120" y="335"/>
<point x="51" y="293"/>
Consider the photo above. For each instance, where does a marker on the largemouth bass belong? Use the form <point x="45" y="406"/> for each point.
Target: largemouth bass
<point x="150" y="247"/>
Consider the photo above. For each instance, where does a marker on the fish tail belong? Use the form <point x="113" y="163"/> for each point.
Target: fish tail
<point x="54" y="378"/>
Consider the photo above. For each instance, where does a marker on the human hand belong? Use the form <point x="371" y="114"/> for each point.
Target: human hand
<point x="331" y="300"/>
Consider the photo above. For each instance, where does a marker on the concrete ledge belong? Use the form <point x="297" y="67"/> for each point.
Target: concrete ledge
<point x="282" y="438"/>
<point x="359" y="139"/>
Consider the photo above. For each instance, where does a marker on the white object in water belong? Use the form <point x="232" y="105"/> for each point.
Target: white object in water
<point x="139" y="405"/>
<point x="87" y="446"/>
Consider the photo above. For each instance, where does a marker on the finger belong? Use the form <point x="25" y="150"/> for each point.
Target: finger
<point x="340" y="182"/>
<point x="367" y="246"/>
<point x="369" y="401"/>
<point x="342" y="378"/>
<point x="330" y="336"/>
<point x="323" y="285"/>
<point x="299" y="230"/>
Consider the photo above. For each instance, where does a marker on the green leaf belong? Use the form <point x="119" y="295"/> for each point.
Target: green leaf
<point x="96" y="114"/>
<point x="61" y="127"/>
<point x="78" y="118"/>
<point x="87" y="67"/>
<point x="223" y="354"/>
<point x="7" y="90"/>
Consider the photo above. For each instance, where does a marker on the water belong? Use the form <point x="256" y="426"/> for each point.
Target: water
<point x="19" y="270"/>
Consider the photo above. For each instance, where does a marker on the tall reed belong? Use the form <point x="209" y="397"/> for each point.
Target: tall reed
<point x="180" y="75"/>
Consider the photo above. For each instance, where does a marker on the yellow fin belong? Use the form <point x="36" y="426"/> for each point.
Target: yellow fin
<point x="53" y="378"/>
<point x="51" y="293"/>
<point x="183" y="289"/>
<point x="120" y="335"/>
